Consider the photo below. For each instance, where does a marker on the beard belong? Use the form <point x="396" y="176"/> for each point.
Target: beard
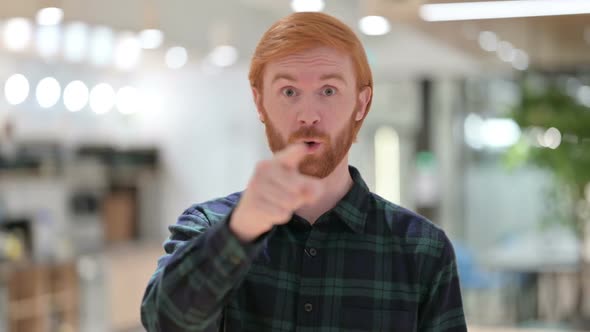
<point x="322" y="163"/>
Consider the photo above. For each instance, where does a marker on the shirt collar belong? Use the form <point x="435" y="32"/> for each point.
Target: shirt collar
<point x="351" y="208"/>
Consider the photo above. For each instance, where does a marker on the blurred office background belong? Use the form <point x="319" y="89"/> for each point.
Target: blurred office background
<point x="115" y="116"/>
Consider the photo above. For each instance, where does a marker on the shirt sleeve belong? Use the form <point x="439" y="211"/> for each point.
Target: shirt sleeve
<point x="193" y="280"/>
<point x="442" y="308"/>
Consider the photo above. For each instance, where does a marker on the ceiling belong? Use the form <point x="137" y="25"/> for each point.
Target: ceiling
<point x="413" y="46"/>
<point x="553" y="43"/>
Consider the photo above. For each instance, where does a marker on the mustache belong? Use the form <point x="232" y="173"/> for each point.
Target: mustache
<point x="308" y="133"/>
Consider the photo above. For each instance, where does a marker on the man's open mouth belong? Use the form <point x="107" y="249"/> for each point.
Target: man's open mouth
<point x="312" y="145"/>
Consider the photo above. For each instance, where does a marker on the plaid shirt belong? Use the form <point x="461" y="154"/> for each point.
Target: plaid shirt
<point x="365" y="265"/>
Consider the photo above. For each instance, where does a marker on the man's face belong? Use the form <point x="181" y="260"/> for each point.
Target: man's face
<point x="312" y="97"/>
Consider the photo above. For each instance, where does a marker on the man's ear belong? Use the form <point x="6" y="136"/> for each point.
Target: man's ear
<point x="363" y="100"/>
<point x="258" y="102"/>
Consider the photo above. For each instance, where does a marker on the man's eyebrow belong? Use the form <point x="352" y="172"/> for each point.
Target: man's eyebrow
<point x="283" y="76"/>
<point x="333" y="76"/>
<point x="324" y="77"/>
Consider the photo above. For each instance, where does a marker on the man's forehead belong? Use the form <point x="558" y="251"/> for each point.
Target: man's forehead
<point x="318" y="64"/>
<point x="320" y="56"/>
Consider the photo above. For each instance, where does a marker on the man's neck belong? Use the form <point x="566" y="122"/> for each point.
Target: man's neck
<point x="335" y="185"/>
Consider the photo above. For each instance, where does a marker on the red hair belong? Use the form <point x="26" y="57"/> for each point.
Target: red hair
<point x="301" y="31"/>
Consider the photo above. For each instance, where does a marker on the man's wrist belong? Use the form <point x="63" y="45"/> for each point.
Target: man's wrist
<point x="244" y="234"/>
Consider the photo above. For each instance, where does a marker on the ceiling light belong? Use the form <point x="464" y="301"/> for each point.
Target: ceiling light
<point x="501" y="9"/>
<point x="520" y="60"/>
<point x="150" y="39"/>
<point x="48" y="40"/>
<point x="101" y="45"/>
<point x="49" y="16"/>
<point x="500" y="133"/>
<point x="505" y="51"/>
<point x="307" y="5"/>
<point x="17" y="33"/>
<point x="374" y="25"/>
<point x="127" y="51"/>
<point x="75" y="41"/>
<point x="48" y="92"/>
<point x="488" y="41"/>
<point x="16" y="89"/>
<point x="224" y="56"/>
<point x="176" y="57"/>
<point x="75" y="96"/>
<point x="102" y="98"/>
<point x="492" y="133"/>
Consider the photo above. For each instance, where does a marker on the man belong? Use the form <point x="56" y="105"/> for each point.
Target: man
<point x="306" y="246"/>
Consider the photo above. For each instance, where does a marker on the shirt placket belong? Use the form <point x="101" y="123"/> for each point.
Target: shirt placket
<point x="311" y="263"/>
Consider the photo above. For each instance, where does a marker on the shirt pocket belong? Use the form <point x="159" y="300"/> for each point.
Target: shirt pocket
<point x="363" y="319"/>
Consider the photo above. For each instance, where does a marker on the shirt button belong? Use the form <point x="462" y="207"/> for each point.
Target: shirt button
<point x="312" y="252"/>
<point x="308" y="307"/>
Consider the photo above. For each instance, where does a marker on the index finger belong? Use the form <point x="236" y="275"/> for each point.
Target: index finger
<point x="292" y="155"/>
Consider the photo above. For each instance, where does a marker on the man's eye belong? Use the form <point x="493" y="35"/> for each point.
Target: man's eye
<point x="289" y="92"/>
<point x="329" y="92"/>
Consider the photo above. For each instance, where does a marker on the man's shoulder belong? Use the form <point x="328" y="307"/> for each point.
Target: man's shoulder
<point x="407" y="225"/>
<point x="214" y="210"/>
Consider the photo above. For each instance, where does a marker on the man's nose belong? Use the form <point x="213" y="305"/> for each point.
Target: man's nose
<point x="308" y="114"/>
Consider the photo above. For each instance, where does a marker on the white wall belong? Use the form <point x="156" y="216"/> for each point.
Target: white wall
<point x="206" y="127"/>
<point x="211" y="140"/>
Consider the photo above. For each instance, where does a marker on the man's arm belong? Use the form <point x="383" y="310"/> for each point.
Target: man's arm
<point x="203" y="262"/>
<point x="442" y="308"/>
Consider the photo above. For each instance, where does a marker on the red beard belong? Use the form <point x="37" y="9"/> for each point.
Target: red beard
<point x="324" y="162"/>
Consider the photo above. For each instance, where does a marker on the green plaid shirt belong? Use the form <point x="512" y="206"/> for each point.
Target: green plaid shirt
<point x="365" y="265"/>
